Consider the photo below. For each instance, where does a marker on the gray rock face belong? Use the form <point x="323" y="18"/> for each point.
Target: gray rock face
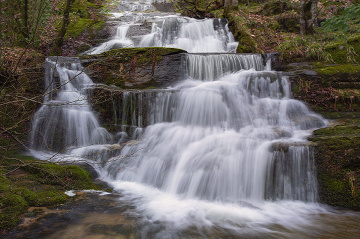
<point x="160" y="74"/>
<point x="136" y="68"/>
<point x="164" y="6"/>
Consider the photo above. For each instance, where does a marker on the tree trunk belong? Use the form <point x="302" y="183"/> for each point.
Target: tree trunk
<point x="56" y="49"/>
<point x="25" y="13"/>
<point x="308" y="16"/>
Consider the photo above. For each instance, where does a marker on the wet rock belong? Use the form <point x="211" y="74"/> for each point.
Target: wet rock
<point x="164" y="6"/>
<point x="136" y="67"/>
<point x="337" y="153"/>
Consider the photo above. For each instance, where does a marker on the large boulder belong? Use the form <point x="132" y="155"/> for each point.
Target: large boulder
<point x="136" y="67"/>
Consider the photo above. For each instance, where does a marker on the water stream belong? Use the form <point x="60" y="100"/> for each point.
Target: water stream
<point x="222" y="153"/>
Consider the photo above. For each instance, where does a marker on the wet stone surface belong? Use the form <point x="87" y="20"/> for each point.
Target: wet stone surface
<point x="88" y="215"/>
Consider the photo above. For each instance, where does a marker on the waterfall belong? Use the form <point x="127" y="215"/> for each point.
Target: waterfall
<point x="213" y="66"/>
<point x="206" y="135"/>
<point x="65" y="118"/>
<point x="208" y="35"/>
<point x="119" y="41"/>
<point x="225" y="148"/>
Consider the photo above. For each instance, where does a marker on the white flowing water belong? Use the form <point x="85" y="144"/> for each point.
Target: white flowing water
<point x="65" y="119"/>
<point x="167" y="30"/>
<point x="222" y="153"/>
<point x="223" y="148"/>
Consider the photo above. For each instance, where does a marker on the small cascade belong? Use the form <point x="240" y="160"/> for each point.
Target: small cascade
<point x="209" y="35"/>
<point x="214" y="66"/>
<point x="135" y="110"/>
<point x="119" y="41"/>
<point x="291" y="175"/>
<point x="65" y="119"/>
<point x="223" y="132"/>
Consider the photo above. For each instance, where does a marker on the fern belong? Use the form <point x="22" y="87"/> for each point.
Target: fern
<point x="345" y="22"/>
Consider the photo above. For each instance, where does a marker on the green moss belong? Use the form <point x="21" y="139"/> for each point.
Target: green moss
<point x="26" y="182"/>
<point x="70" y="177"/>
<point x="335" y="186"/>
<point x="129" y="53"/>
<point x="12" y="206"/>
<point x="29" y="196"/>
<point x="51" y="197"/>
<point x="246" y="44"/>
<point x="117" y="67"/>
<point x="340" y="130"/>
<point x="338" y="165"/>
<point x="77" y="27"/>
<point x="4" y="183"/>
<point x="348" y="117"/>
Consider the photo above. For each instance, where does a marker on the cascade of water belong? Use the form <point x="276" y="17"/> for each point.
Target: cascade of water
<point x="209" y="35"/>
<point x="119" y="41"/>
<point x="203" y="141"/>
<point x="138" y="109"/>
<point x="214" y="66"/>
<point x="226" y="147"/>
<point x="65" y="119"/>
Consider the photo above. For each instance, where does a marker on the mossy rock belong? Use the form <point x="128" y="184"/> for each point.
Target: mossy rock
<point x="135" y="67"/>
<point x="288" y="22"/>
<point x="337" y="153"/>
<point x="12" y="206"/>
<point x="81" y="25"/>
<point x="339" y="69"/>
<point x="29" y="196"/>
<point x="71" y="177"/>
<point x="26" y="182"/>
<point x="246" y="43"/>
<point x="51" y="197"/>
<point x="353" y="130"/>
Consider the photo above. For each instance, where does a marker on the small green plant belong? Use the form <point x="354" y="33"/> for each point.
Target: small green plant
<point x="317" y="52"/>
<point x="304" y="85"/>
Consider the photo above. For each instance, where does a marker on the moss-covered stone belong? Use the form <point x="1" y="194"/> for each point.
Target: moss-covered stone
<point x="78" y="27"/>
<point x="26" y="182"/>
<point x="246" y="42"/>
<point x="71" y="177"/>
<point x="51" y="196"/>
<point x="4" y="183"/>
<point x="30" y="196"/>
<point x="327" y="88"/>
<point x="339" y="69"/>
<point x="12" y="206"/>
<point x="288" y="22"/>
<point x="337" y="153"/>
<point x="136" y="67"/>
